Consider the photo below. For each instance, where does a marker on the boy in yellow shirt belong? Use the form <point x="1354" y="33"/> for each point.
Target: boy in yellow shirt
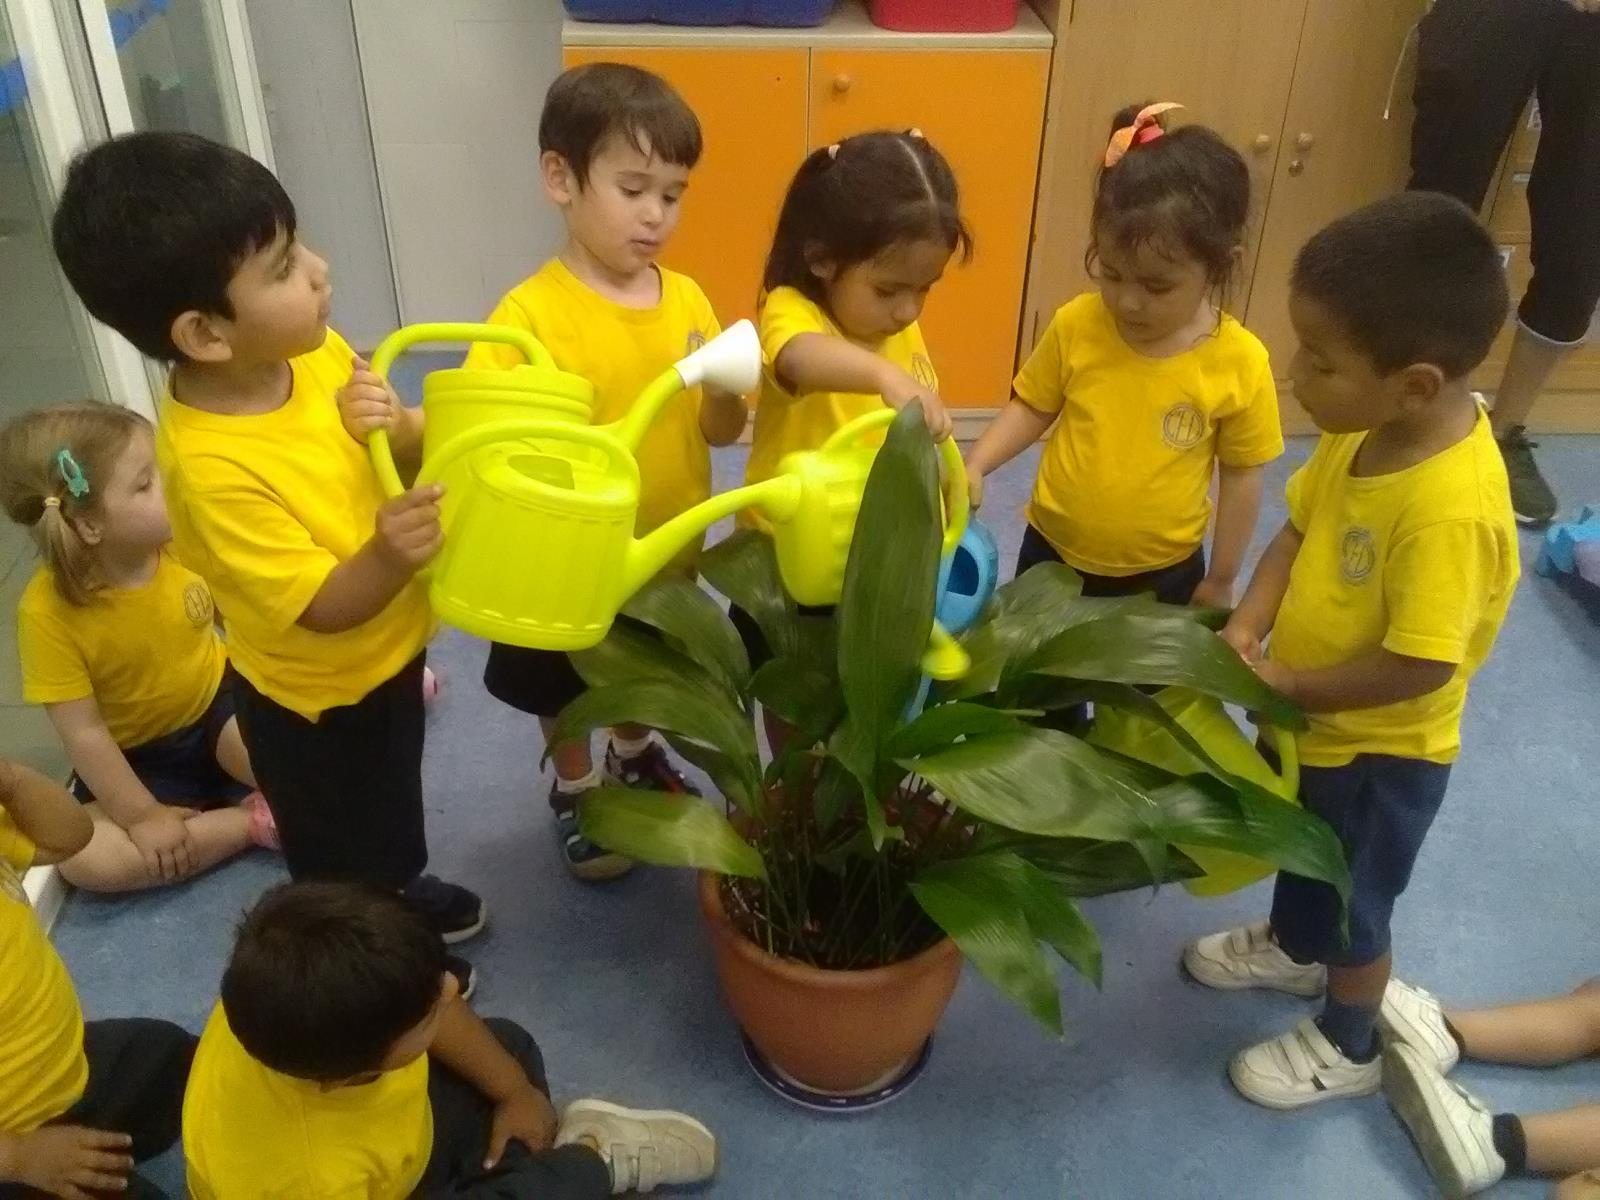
<point x="188" y="249"/>
<point x="341" y="1062"/>
<point x="80" y="1102"/>
<point x="1382" y="594"/>
<point x="616" y="147"/>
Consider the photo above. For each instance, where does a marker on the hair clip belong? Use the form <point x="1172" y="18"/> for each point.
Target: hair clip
<point x="72" y="474"/>
<point x="1145" y="128"/>
<point x="914" y="132"/>
<point x="833" y="151"/>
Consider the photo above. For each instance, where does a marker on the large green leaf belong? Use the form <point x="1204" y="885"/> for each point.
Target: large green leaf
<point x="732" y="778"/>
<point x="744" y="568"/>
<point x="1161" y="649"/>
<point x="667" y="829"/>
<point x="630" y="654"/>
<point x="1086" y="867"/>
<point x="942" y="725"/>
<point x="965" y="899"/>
<point x="802" y="691"/>
<point x="683" y="611"/>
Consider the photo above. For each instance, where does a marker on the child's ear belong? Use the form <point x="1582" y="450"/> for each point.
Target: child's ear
<point x="1419" y="385"/>
<point x="561" y="182"/>
<point x="199" y="337"/>
<point x="87" y="529"/>
<point x="819" y="264"/>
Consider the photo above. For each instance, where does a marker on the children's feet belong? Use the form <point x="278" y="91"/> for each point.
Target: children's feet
<point x="455" y="912"/>
<point x="1531" y="498"/>
<point x="1301" y="1067"/>
<point x="584" y="859"/>
<point x="1249" y="957"/>
<point x="466" y="975"/>
<point x="1412" y="1017"/>
<point x="263" y="828"/>
<point x="644" y="1149"/>
<point x="647" y="768"/>
<point x="1453" y="1131"/>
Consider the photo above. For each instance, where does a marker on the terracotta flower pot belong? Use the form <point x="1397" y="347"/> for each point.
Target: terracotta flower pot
<point x="841" y="1032"/>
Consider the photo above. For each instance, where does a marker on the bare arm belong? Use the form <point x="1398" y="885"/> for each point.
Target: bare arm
<point x="1018" y="426"/>
<point x="1239" y="492"/>
<point x="100" y="762"/>
<point x="468" y="1047"/>
<point x="722" y="417"/>
<point x="362" y="586"/>
<point x="819" y="362"/>
<point x="1370" y="680"/>
<point x="46" y="813"/>
<point x="1255" y="615"/>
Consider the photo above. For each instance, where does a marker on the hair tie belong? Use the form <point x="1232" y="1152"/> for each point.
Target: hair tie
<point x="833" y="152"/>
<point x="72" y="474"/>
<point x="52" y="502"/>
<point x="1145" y="128"/>
<point x="914" y="132"/>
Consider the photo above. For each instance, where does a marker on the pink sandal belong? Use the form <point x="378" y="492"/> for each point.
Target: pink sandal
<point x="263" y="828"/>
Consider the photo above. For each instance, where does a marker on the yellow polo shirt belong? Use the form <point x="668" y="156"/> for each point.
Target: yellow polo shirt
<point x="251" y="1133"/>
<point x="1422" y="562"/>
<point x="264" y="506"/>
<point x="1124" y="482"/>
<point x="149" y="655"/>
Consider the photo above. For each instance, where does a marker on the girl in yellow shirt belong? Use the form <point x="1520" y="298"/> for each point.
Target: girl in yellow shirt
<point x="118" y="641"/>
<point x="1152" y="388"/>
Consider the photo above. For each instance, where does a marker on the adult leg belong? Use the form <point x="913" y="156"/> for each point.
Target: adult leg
<point x="1537" y="1033"/>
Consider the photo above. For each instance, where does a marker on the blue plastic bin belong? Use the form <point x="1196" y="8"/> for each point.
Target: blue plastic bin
<point x="704" y="12"/>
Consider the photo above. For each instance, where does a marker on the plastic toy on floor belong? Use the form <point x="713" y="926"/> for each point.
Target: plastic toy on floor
<point x="1573" y="548"/>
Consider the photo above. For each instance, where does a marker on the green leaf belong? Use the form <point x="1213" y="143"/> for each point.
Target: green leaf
<point x="630" y="655"/>
<point x="851" y="749"/>
<point x="941" y="726"/>
<point x="695" y="622"/>
<point x="1086" y="867"/>
<point x="965" y="900"/>
<point x="732" y="778"/>
<point x="668" y="830"/>
<point x="1161" y="649"/>
<point x="744" y="568"/>
<point x="803" y="692"/>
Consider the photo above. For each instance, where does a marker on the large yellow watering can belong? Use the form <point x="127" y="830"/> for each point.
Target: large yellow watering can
<point x="1205" y="720"/>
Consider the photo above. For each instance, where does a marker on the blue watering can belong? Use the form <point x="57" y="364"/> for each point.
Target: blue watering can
<point x="968" y="576"/>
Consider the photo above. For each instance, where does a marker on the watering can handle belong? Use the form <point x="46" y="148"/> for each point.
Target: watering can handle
<point x="411" y="335"/>
<point x="518" y="429"/>
<point x="1283" y="744"/>
<point x="959" y="502"/>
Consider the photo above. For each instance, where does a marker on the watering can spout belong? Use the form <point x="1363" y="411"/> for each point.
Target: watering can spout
<point x="729" y="362"/>
<point x="649" y="554"/>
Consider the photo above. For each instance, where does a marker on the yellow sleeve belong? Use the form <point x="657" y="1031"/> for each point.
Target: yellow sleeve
<point x="53" y="670"/>
<point x="785" y="315"/>
<point x="1436" y="584"/>
<point x="1302" y="486"/>
<point x="1042" y="382"/>
<point x="485" y="356"/>
<point x="16" y="847"/>
<point x="1253" y="435"/>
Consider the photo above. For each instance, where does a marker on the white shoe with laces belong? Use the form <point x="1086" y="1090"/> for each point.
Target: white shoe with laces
<point x="1248" y="957"/>
<point x="644" y="1149"/>
<point x="1301" y="1067"/>
<point x="1452" y="1129"/>
<point x="1412" y="1017"/>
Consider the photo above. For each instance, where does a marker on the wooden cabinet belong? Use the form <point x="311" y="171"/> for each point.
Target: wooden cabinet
<point x="767" y="97"/>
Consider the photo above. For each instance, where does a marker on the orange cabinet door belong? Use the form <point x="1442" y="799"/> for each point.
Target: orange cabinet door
<point x="752" y="110"/>
<point x="983" y="109"/>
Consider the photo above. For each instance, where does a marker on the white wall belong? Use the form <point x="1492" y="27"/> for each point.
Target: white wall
<point x="454" y="89"/>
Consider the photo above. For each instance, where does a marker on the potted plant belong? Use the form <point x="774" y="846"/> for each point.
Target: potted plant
<point x="844" y="881"/>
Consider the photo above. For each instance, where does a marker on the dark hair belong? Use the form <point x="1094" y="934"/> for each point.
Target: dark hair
<point x="1412" y="278"/>
<point x="326" y="977"/>
<point x="152" y="225"/>
<point x="1187" y="189"/>
<point x="587" y="104"/>
<point x="851" y="201"/>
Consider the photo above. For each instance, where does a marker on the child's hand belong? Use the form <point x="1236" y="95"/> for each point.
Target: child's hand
<point x="69" y="1161"/>
<point x="408" y="534"/>
<point x="366" y="402"/>
<point x="974" y="486"/>
<point x="1246" y="644"/>
<point x="1213" y="593"/>
<point x="162" y="838"/>
<point x="526" y="1115"/>
<point x="901" y="389"/>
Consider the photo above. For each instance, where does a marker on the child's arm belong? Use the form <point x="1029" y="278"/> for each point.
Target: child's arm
<point x="367" y="403"/>
<point x="1018" y="426"/>
<point x="45" y="812"/>
<point x="1238" y="508"/>
<point x="1371" y="680"/>
<point x="722" y="417"/>
<point x="468" y="1047"/>
<point x="358" y="589"/>
<point x="820" y="362"/>
<point x="1255" y="615"/>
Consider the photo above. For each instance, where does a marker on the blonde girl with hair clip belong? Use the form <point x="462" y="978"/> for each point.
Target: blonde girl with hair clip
<point x="118" y="641"/>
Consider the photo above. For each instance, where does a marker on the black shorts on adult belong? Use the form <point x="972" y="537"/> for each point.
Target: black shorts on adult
<point x="345" y="789"/>
<point x="1171" y="585"/>
<point x="181" y="767"/>
<point x="1381" y="808"/>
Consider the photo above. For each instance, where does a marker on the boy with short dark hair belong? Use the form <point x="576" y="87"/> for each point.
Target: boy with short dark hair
<point x="1382" y="594"/>
<point x="189" y="249"/>
<point x="616" y="144"/>
<point x="341" y="1062"/>
<point x="80" y="1102"/>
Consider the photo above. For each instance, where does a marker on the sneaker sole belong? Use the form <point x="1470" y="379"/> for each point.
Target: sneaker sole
<point x="1232" y="983"/>
<point x="1287" y="1104"/>
<point x="659" y="1115"/>
<point x="1413" y="1104"/>
<point x="599" y="870"/>
<point x="468" y="931"/>
<point x="1532" y="522"/>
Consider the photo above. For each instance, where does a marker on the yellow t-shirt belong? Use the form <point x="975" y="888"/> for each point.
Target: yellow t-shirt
<point x="1124" y="482"/>
<point x="786" y="422"/>
<point x="251" y="1133"/>
<point x="264" y="506"/>
<point x="1421" y="562"/>
<point x="43" y="1070"/>
<point x="621" y="350"/>
<point x="150" y="655"/>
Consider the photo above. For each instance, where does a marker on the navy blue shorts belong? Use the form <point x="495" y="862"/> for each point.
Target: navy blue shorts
<point x="181" y="768"/>
<point x="1381" y="808"/>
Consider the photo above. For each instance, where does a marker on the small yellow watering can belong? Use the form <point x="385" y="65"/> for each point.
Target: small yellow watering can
<point x="1209" y="724"/>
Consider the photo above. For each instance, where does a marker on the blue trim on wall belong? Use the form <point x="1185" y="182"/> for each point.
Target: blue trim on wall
<point x="126" y="20"/>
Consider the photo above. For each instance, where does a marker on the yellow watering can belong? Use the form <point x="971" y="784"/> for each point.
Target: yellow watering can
<point x="1209" y="724"/>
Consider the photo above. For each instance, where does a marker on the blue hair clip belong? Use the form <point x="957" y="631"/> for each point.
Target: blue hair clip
<point x="72" y="474"/>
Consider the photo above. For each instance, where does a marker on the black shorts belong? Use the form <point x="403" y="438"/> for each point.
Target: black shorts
<point x="539" y="682"/>
<point x="1171" y="585"/>
<point x="181" y="768"/>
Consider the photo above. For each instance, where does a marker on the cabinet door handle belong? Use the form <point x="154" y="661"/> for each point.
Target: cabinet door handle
<point x="1304" y="142"/>
<point x="842" y="84"/>
<point x="1297" y="166"/>
<point x="1262" y="143"/>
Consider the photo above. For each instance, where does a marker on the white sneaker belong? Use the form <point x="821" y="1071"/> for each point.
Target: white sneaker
<point x="1248" y="957"/>
<point x="644" y="1149"/>
<point x="1301" y="1067"/>
<point x="1412" y="1017"/>
<point x="1453" y="1131"/>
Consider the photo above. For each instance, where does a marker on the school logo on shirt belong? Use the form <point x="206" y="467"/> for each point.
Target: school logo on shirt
<point x="197" y="605"/>
<point x="922" y="371"/>
<point x="1357" y="555"/>
<point x="696" y="340"/>
<point x="1184" y="426"/>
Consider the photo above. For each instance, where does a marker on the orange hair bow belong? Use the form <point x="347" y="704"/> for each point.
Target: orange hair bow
<point x="1145" y="128"/>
